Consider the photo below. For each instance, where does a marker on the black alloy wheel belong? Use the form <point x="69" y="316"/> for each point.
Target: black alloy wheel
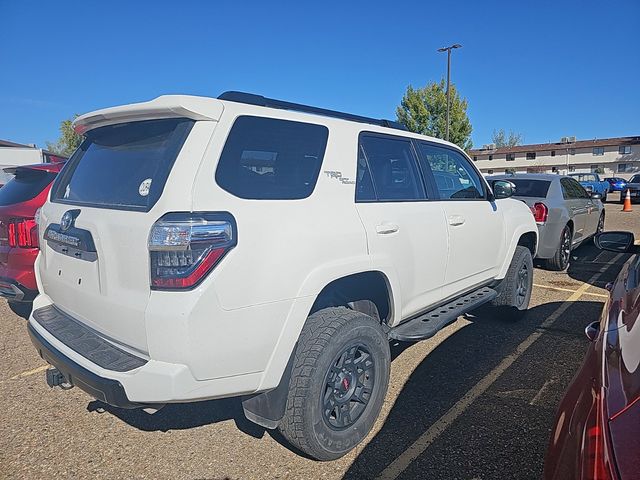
<point x="347" y="387"/>
<point x="522" y="285"/>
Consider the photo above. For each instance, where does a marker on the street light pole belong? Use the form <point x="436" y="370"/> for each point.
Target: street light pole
<point x="448" y="50"/>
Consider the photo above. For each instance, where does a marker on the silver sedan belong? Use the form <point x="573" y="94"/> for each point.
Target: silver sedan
<point x="566" y="214"/>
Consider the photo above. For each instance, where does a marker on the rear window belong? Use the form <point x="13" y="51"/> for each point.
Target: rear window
<point x="530" y="188"/>
<point x="271" y="159"/>
<point x="123" y="166"/>
<point x="26" y="184"/>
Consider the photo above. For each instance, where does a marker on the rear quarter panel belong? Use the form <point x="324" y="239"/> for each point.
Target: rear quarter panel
<point x="287" y="251"/>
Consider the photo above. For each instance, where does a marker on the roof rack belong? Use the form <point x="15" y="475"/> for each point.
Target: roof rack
<point x="252" y="99"/>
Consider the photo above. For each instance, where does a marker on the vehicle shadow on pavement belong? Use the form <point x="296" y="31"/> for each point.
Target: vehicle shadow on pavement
<point x="503" y="433"/>
<point x="180" y="416"/>
<point x="585" y="262"/>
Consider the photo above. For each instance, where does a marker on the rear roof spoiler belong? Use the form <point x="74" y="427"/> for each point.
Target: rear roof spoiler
<point x="165" y="106"/>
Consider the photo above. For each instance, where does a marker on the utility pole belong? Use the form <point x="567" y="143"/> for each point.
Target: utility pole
<point x="448" y="50"/>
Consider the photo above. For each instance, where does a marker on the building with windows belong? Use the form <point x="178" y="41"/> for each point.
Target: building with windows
<point x="610" y="157"/>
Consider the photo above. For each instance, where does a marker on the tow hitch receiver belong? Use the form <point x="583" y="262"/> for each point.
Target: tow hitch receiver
<point x="55" y="378"/>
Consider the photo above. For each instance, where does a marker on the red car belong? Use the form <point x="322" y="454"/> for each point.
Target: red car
<point x="597" y="431"/>
<point x="19" y="200"/>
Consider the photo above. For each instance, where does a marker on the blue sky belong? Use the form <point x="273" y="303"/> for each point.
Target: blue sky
<point x="544" y="69"/>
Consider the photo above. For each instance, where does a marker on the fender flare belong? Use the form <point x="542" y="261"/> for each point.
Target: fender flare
<point x="284" y="350"/>
<point x="515" y="238"/>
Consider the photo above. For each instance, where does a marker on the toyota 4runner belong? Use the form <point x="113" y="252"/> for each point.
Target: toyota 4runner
<point x="198" y="248"/>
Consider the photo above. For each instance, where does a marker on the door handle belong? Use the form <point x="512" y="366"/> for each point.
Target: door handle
<point x="387" y="228"/>
<point x="456" y="220"/>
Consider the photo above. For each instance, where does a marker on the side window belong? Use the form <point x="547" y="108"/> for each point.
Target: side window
<point x="393" y="170"/>
<point x="271" y="159"/>
<point x="571" y="188"/>
<point x="580" y="191"/>
<point x="454" y="176"/>
<point x="566" y="188"/>
<point x="364" y="184"/>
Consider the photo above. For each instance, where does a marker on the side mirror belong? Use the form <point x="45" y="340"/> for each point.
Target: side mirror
<point x="619" y="242"/>
<point x="503" y="189"/>
<point x="595" y="196"/>
<point x="591" y="330"/>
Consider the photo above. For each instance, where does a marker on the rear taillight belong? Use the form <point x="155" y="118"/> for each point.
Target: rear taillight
<point x="22" y="232"/>
<point x="596" y="453"/>
<point x="185" y="247"/>
<point x="540" y="212"/>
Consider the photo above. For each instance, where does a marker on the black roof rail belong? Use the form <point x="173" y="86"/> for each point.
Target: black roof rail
<point x="252" y="99"/>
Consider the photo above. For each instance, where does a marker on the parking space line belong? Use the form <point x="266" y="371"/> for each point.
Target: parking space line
<point x="541" y="392"/>
<point x="30" y="372"/>
<point x="400" y="464"/>
<point x="559" y="289"/>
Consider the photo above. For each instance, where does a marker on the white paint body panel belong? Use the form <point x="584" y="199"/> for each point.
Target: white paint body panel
<point x="234" y="333"/>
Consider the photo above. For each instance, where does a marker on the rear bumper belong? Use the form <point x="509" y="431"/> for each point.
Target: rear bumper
<point x="118" y="377"/>
<point x="548" y="239"/>
<point x="12" y="290"/>
<point x="105" y="389"/>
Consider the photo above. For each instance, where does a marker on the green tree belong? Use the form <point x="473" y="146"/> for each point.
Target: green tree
<point x="501" y="139"/>
<point x="69" y="140"/>
<point x="424" y="110"/>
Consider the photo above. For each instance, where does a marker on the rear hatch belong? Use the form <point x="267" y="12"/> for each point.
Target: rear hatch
<point x="94" y="263"/>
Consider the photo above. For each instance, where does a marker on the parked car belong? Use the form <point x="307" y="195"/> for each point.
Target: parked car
<point x="197" y="248"/>
<point x="633" y="187"/>
<point x="596" y="435"/>
<point x="20" y="198"/>
<point x="616" y="184"/>
<point x="592" y="183"/>
<point x="566" y="214"/>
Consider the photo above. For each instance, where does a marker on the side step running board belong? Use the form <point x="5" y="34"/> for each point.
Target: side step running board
<point x="428" y="324"/>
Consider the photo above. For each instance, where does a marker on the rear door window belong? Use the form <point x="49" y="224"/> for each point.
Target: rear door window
<point x="123" y="166"/>
<point x="571" y="189"/>
<point x="387" y="166"/>
<point x="27" y="184"/>
<point x="271" y="159"/>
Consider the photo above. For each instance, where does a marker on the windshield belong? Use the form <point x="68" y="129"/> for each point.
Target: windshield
<point x="123" y="166"/>
<point x="635" y="179"/>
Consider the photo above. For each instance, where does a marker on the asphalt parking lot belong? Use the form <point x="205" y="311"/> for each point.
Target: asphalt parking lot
<point x="477" y="401"/>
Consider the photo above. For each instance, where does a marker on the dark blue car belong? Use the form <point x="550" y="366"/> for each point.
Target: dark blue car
<point x="616" y="184"/>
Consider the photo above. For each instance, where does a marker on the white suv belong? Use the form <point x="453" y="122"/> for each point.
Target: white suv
<point x="197" y="248"/>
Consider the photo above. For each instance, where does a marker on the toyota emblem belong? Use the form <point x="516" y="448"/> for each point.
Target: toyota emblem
<point x="66" y="221"/>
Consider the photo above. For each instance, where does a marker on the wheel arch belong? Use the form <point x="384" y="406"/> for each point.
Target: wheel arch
<point x="266" y="408"/>
<point x="524" y="236"/>
<point x="369" y="286"/>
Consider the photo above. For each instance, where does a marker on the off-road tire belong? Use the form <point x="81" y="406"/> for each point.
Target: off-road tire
<point x="326" y="334"/>
<point x="514" y="291"/>
<point x="560" y="259"/>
